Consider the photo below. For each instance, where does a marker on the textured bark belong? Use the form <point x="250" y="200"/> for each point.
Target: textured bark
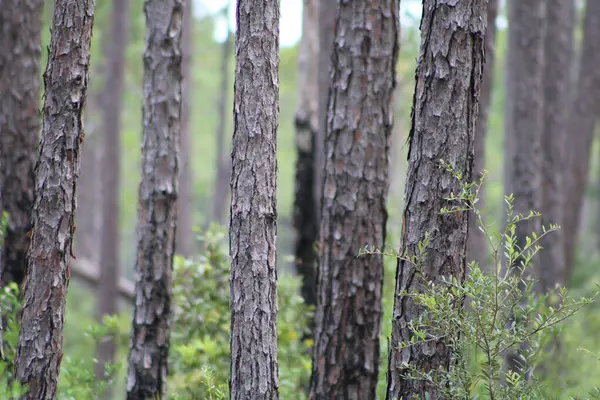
<point x="558" y="53"/>
<point x="39" y="351"/>
<point x="20" y="50"/>
<point x="583" y="121"/>
<point x="477" y="242"/>
<point x="327" y="13"/>
<point x="305" y="209"/>
<point x="184" y="243"/>
<point x="445" y="110"/>
<point x="108" y="285"/>
<point x="353" y="214"/>
<point x="223" y="162"/>
<point x="157" y="208"/>
<point x="253" y="213"/>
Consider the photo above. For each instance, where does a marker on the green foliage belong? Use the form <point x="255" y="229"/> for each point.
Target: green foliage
<point x="9" y="336"/>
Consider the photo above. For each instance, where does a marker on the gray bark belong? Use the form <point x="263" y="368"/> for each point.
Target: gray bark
<point x="445" y="110"/>
<point x="157" y="208"/>
<point x="39" y="350"/>
<point x="110" y="174"/>
<point x="355" y="188"/>
<point x="20" y="50"/>
<point x="253" y="212"/>
<point x="558" y="54"/>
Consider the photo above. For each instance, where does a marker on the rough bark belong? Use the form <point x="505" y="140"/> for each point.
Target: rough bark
<point x="477" y="242"/>
<point x="327" y="13"/>
<point x="445" y="110"/>
<point x="157" y="208"/>
<point x="583" y="121"/>
<point x="110" y="174"/>
<point x="39" y="350"/>
<point x="558" y="54"/>
<point x="253" y="212"/>
<point x="20" y="50"/>
<point x="305" y="210"/>
<point x="184" y="243"/>
<point x="223" y="162"/>
<point x="353" y="214"/>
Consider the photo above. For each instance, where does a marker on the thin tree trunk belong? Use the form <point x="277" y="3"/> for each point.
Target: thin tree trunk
<point x="108" y="285"/>
<point x="253" y="213"/>
<point x="305" y="209"/>
<point x="327" y="14"/>
<point x="20" y="49"/>
<point x="477" y="242"/>
<point x="223" y="161"/>
<point x="445" y="112"/>
<point x="157" y="208"/>
<point x="39" y="351"/>
<point x="355" y="188"/>
<point x="184" y="244"/>
<point x="583" y="121"/>
<point x="558" y="53"/>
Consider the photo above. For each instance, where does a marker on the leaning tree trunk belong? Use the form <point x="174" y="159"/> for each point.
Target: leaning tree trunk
<point x="20" y="49"/>
<point x="253" y="212"/>
<point x="39" y="351"/>
<point x="359" y="124"/>
<point x="110" y="173"/>
<point x="583" y="121"/>
<point x="305" y="209"/>
<point x="558" y="54"/>
<point x="157" y="208"/>
<point x="445" y="112"/>
<point x="477" y="242"/>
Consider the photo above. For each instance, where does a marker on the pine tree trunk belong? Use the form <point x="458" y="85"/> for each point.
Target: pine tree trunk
<point x="39" y="351"/>
<point x="583" y="121"/>
<point x="305" y="209"/>
<point x="353" y="215"/>
<point x="110" y="174"/>
<point x="157" y="209"/>
<point x="477" y="243"/>
<point x="445" y="112"/>
<point x="558" y="54"/>
<point x="20" y="49"/>
<point x="253" y="213"/>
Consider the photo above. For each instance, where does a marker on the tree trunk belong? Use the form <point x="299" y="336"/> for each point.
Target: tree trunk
<point x="39" y="351"/>
<point x="157" y="209"/>
<point x="223" y="159"/>
<point x="253" y="213"/>
<point x="184" y="243"/>
<point x="108" y="285"/>
<point x="348" y="316"/>
<point x="20" y="49"/>
<point x="445" y="112"/>
<point x="583" y="121"/>
<point x="558" y="54"/>
<point x="305" y="209"/>
<point x="327" y="11"/>
<point x="477" y="243"/>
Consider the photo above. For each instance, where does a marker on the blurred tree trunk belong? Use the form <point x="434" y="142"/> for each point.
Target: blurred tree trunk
<point x="39" y="350"/>
<point x="445" y="113"/>
<point x="558" y="55"/>
<point x="583" y="121"/>
<point x="253" y="212"/>
<point x="184" y="243"/>
<point x="477" y="243"/>
<point x="223" y="158"/>
<point x="110" y="174"/>
<point x="355" y="188"/>
<point x="157" y="209"/>
<point x="305" y="209"/>
<point x="327" y="11"/>
<point x="20" y="50"/>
